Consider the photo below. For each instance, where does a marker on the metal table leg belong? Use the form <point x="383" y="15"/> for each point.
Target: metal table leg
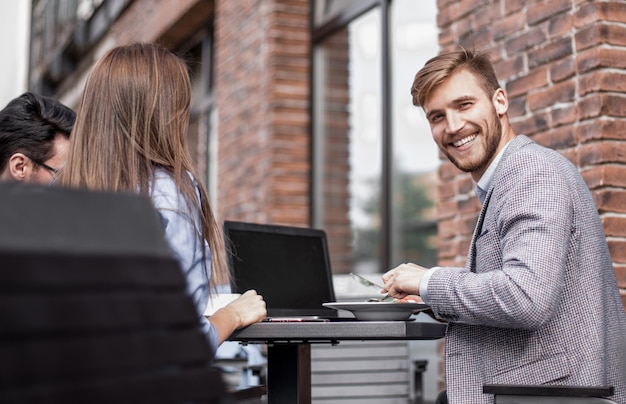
<point x="289" y="374"/>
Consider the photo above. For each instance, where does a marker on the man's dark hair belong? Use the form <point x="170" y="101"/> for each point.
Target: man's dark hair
<point x="29" y="124"/>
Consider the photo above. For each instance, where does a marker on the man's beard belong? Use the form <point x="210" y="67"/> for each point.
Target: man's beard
<point x="493" y="140"/>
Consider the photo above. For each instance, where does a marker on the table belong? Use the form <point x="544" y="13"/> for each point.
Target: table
<point x="289" y="349"/>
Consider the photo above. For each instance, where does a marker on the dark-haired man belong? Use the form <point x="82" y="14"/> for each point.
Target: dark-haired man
<point x="34" y="137"/>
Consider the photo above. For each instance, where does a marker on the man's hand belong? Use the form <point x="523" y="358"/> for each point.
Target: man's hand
<point x="404" y="280"/>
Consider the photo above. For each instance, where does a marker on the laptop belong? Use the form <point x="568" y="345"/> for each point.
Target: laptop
<point x="288" y="266"/>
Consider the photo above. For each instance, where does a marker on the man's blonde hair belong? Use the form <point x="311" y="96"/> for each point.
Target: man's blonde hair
<point x="439" y="68"/>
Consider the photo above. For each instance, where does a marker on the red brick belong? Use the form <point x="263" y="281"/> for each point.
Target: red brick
<point x="504" y="27"/>
<point x="464" y="245"/>
<point x="486" y="16"/>
<point x="447" y="228"/>
<point x="446" y="191"/>
<point x="448" y="250"/>
<point x="468" y="7"/>
<point x="618" y="250"/>
<point x="602" y="104"/>
<point x="601" y="128"/>
<point x="477" y="39"/>
<point x="563" y="115"/>
<point x="596" y="58"/>
<point x="445" y="16"/>
<point x="545" y="10"/>
<point x="562" y="69"/>
<point x="517" y="107"/>
<point x="614" y="226"/>
<point x="537" y="78"/>
<point x="556" y="138"/>
<point x="607" y="175"/>
<point x="446" y="209"/>
<point x="571" y="155"/>
<point x="468" y="224"/>
<point x="461" y="27"/>
<point x="620" y="273"/>
<point x="560" y="25"/>
<point x="602" y="81"/>
<point x="510" y="68"/>
<point x="592" y="12"/>
<point x="554" y="50"/>
<point x="601" y="34"/>
<point x="155" y="20"/>
<point x="441" y="4"/>
<point x="511" y="6"/>
<point x="469" y="204"/>
<point x="448" y="171"/>
<point x="465" y="185"/>
<point x="536" y="122"/>
<point x="602" y="153"/>
<point x="525" y="40"/>
<point x="611" y="200"/>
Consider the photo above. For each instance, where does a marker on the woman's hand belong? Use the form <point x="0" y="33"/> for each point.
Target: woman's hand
<point x="246" y="309"/>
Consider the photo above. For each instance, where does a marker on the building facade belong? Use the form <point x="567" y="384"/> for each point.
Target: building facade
<point x="287" y="130"/>
<point x="301" y="112"/>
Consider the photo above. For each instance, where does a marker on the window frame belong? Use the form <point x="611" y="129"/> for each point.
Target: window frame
<point x="320" y="31"/>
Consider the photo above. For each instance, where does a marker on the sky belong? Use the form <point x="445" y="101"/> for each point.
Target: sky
<point x="14" y="31"/>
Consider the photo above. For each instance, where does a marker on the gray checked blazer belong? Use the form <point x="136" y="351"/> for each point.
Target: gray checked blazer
<point x="537" y="301"/>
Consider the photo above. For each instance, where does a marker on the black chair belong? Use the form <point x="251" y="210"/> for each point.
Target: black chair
<point x="553" y="394"/>
<point x="93" y="308"/>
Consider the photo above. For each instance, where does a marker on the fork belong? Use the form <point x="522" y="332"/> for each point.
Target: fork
<point x="366" y="282"/>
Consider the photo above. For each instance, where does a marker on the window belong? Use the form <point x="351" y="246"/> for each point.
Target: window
<point x="375" y="163"/>
<point x="202" y="125"/>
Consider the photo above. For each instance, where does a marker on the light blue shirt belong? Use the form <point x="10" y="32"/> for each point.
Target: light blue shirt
<point x="182" y="234"/>
<point x="485" y="181"/>
<point x="481" y="192"/>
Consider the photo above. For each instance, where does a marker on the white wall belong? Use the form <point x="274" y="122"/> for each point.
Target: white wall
<point x="14" y="48"/>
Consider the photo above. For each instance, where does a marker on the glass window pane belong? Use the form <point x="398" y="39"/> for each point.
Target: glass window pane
<point x="327" y="10"/>
<point x="348" y="140"/>
<point x="415" y="154"/>
<point x="347" y="122"/>
<point x="366" y="140"/>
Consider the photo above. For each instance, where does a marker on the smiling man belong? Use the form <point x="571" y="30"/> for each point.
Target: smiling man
<point x="34" y="137"/>
<point x="537" y="301"/>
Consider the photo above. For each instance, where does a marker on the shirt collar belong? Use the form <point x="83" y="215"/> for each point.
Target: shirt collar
<point x="485" y="181"/>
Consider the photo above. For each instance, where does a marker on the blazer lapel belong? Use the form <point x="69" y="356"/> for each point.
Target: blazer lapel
<point x="471" y="256"/>
<point x="517" y="143"/>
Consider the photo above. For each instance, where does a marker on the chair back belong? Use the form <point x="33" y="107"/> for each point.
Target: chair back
<point x="549" y="394"/>
<point x="93" y="307"/>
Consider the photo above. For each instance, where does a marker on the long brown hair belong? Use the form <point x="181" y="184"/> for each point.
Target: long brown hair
<point x="133" y="117"/>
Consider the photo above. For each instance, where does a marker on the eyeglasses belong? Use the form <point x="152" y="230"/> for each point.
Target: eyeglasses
<point x="44" y="165"/>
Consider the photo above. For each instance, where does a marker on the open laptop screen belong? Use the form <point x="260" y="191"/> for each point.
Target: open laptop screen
<point x="288" y="266"/>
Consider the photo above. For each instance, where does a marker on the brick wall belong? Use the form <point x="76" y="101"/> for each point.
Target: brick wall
<point x="262" y="70"/>
<point x="562" y="64"/>
<point x="154" y="20"/>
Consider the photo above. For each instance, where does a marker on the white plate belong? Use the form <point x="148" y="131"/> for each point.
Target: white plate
<point x="379" y="311"/>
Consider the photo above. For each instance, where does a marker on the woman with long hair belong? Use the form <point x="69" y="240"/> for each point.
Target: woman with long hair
<point x="131" y="136"/>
